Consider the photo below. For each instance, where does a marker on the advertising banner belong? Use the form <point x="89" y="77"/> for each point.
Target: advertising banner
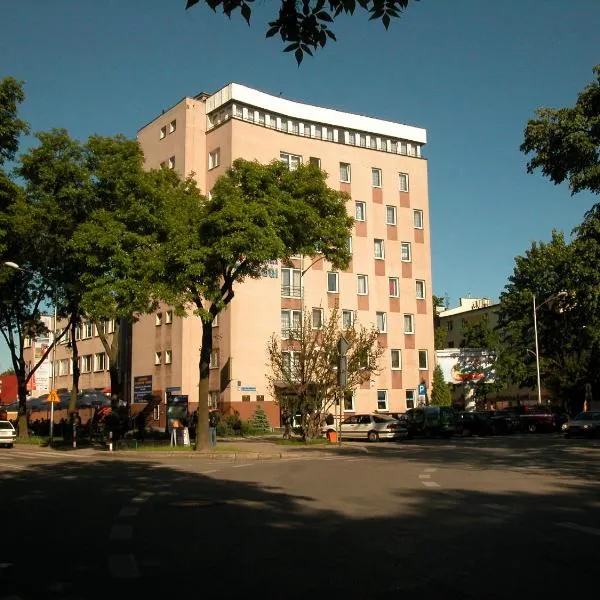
<point x="466" y="365"/>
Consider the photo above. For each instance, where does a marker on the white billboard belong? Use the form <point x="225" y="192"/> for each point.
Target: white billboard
<point x="466" y="365"/>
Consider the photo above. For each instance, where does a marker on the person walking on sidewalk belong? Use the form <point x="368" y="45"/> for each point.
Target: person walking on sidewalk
<point x="212" y="428"/>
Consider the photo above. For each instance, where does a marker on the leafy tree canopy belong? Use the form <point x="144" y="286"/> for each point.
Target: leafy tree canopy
<point x="305" y="25"/>
<point x="11" y="126"/>
<point x="566" y="141"/>
<point x="441" y="394"/>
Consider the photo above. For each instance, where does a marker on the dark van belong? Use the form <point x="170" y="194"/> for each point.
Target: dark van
<point x="431" y="421"/>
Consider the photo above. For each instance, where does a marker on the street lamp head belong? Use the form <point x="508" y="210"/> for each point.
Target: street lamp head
<point x="12" y="265"/>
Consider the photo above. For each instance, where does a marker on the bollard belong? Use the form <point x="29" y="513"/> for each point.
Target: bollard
<point x="110" y="442"/>
<point x="75" y="436"/>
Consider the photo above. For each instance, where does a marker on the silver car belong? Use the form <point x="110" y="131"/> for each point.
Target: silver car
<point x="373" y="428"/>
<point x="7" y="434"/>
<point x="585" y="424"/>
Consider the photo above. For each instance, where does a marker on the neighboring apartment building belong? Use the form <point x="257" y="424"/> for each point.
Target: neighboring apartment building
<point x="454" y="321"/>
<point x="388" y="283"/>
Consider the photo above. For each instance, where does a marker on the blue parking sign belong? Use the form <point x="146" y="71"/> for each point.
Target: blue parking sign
<point x="422" y="389"/>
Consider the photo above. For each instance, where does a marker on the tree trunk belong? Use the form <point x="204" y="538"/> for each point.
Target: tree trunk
<point x="22" y="420"/>
<point x="204" y="366"/>
<point x="76" y="369"/>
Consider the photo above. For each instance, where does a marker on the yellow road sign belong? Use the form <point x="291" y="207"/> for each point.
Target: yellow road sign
<point x="53" y="397"/>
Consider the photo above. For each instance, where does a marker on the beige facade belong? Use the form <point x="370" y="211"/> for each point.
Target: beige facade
<point x="454" y="321"/>
<point x="379" y="163"/>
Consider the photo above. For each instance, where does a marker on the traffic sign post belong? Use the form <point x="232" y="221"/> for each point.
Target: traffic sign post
<point x="53" y="399"/>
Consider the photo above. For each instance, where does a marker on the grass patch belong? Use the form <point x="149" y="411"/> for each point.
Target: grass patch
<point x="299" y="442"/>
<point x="32" y="440"/>
<point x="168" y="448"/>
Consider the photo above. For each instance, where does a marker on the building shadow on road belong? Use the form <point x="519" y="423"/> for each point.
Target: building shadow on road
<point x="130" y="529"/>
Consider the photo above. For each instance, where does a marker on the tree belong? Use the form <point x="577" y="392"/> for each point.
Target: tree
<point x="11" y="126"/>
<point x="8" y="372"/>
<point x="260" y="421"/>
<point x="566" y="141"/>
<point x="441" y="394"/>
<point x="439" y="333"/>
<point x="308" y="383"/>
<point x="567" y="326"/>
<point x="257" y="213"/>
<point x="304" y="26"/>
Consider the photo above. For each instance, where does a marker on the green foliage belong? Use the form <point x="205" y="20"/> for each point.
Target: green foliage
<point x="260" y="421"/>
<point x="566" y="141"/>
<point x="11" y="127"/>
<point x="8" y="372"/>
<point x="441" y="394"/>
<point x="304" y="26"/>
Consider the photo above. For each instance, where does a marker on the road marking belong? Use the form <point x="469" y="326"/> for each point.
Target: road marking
<point x="123" y="566"/>
<point x="431" y="484"/>
<point x="209" y="471"/>
<point x="121" y="532"/>
<point x="425" y="476"/>
<point x="498" y="507"/>
<point x="581" y="528"/>
<point x="242" y="465"/>
<point x="430" y="470"/>
<point x="15" y="467"/>
<point x="355" y="459"/>
<point x="142" y="497"/>
<point x="128" y="511"/>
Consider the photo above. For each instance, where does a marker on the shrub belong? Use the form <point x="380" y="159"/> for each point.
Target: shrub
<point x="260" y="421"/>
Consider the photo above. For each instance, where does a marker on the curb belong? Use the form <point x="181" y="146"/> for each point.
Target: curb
<point x="235" y="456"/>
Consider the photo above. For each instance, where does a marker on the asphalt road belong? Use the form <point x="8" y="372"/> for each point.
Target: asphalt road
<point x="500" y="517"/>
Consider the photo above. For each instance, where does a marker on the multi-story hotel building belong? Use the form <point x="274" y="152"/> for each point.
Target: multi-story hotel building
<point x="388" y="283"/>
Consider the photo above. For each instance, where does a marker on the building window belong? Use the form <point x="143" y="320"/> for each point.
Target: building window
<point x="214" y="158"/>
<point x="349" y="244"/>
<point x="349" y="401"/>
<point x="410" y="399"/>
<point x="382" y="400"/>
<point x="403" y="148"/>
<point x="290" y="283"/>
<point x="347" y="319"/>
<point x="158" y="319"/>
<point x="396" y="359"/>
<point x="313" y="160"/>
<point x="405" y="252"/>
<point x="423" y="363"/>
<point x="215" y="321"/>
<point x="168" y="317"/>
<point x="381" y="319"/>
<point x="88" y="329"/>
<point x="86" y="363"/>
<point x="378" y="249"/>
<point x="373" y="142"/>
<point x="295" y="127"/>
<point x="394" y="287"/>
<point x="63" y="366"/>
<point x="172" y="126"/>
<point x="100" y="361"/>
<point x="318" y="132"/>
<point x="291" y="160"/>
<point x="213" y="400"/>
<point x="317" y="318"/>
<point x="345" y="172"/>
<point x="450" y="325"/>
<point x="261" y="118"/>
<point x="168" y="357"/>
<point x="260" y="397"/>
<point x="375" y="177"/>
<point x="214" y="359"/>
<point x="362" y="285"/>
<point x="157" y="358"/>
<point x="333" y="282"/>
<point x="291" y="365"/>
<point x="360" y="210"/>
<point x="394" y="146"/>
<point x="409" y="323"/>
<point x="329" y="134"/>
<point x="363" y="140"/>
<point x="390" y="215"/>
<point x="291" y="321"/>
<point x="418" y="219"/>
<point x="246" y="398"/>
<point x="420" y="289"/>
<point x="110" y="326"/>
<point x="171" y="162"/>
<point x="403" y="181"/>
<point x="163" y="132"/>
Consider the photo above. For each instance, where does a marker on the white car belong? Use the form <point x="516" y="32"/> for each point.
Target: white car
<point x="373" y="427"/>
<point x="7" y="434"/>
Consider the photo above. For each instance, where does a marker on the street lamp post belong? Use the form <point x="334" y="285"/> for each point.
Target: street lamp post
<point x="14" y="265"/>
<point x="537" y="350"/>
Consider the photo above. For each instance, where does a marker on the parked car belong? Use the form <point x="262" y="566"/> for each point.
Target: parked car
<point x="586" y="424"/>
<point x="430" y="421"/>
<point x="474" y="423"/>
<point x="536" y="420"/>
<point x="371" y="427"/>
<point x="8" y="434"/>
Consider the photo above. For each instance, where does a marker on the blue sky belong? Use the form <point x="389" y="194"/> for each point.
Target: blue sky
<point x="470" y="72"/>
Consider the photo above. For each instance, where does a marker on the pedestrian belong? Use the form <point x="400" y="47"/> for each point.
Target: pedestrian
<point x="212" y="428"/>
